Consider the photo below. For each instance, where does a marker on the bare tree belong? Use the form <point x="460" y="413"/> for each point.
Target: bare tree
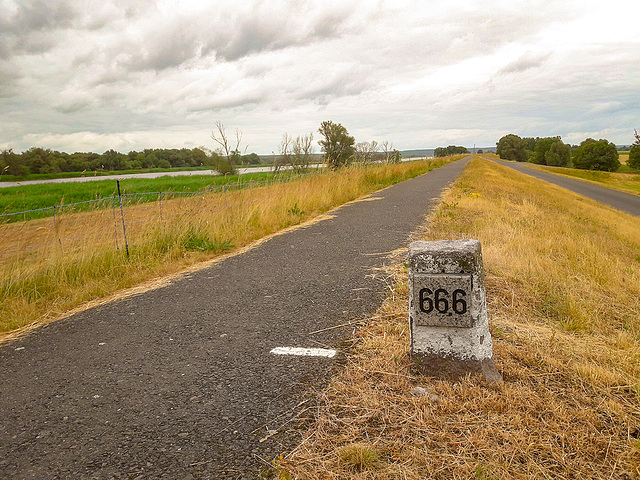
<point x="284" y="153"/>
<point x="229" y="148"/>
<point x="389" y="153"/>
<point x="302" y="150"/>
<point x="366" y="152"/>
<point x="387" y="149"/>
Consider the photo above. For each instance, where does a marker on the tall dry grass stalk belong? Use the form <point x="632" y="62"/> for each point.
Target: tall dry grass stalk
<point x="81" y="257"/>
<point x="563" y="289"/>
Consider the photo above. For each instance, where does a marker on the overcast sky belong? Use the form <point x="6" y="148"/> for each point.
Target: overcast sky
<point x="134" y="74"/>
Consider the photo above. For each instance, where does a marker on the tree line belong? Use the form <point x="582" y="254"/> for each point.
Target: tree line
<point x="338" y="146"/>
<point x="450" y="150"/>
<point x="589" y="155"/>
<point x="43" y="160"/>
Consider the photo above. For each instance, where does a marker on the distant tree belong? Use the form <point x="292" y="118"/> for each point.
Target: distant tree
<point x="365" y="152"/>
<point x="199" y="156"/>
<point x="228" y="148"/>
<point x="634" y="152"/>
<point x="251" y="159"/>
<point x="38" y="160"/>
<point x="440" y="152"/>
<point x="596" y="155"/>
<point x="11" y="164"/>
<point x="336" y="144"/>
<point x="302" y="151"/>
<point x="284" y="153"/>
<point x="480" y="151"/>
<point x="113" y="160"/>
<point x="530" y="146"/>
<point x="390" y="154"/>
<point x="450" y="150"/>
<point x="542" y="146"/>
<point x="550" y="151"/>
<point x="512" y="147"/>
<point x="558" y="155"/>
<point x="236" y="158"/>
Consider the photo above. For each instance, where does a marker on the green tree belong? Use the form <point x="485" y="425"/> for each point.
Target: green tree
<point x="199" y="157"/>
<point x="543" y="145"/>
<point x="450" y="150"/>
<point x="251" y="159"/>
<point x="550" y="151"/>
<point x="634" y="152"/>
<point x="530" y="146"/>
<point x="596" y="155"/>
<point x="512" y="147"/>
<point x="558" y="155"/>
<point x="337" y="144"/>
<point x="40" y="160"/>
<point x="11" y="164"/>
<point x="113" y="160"/>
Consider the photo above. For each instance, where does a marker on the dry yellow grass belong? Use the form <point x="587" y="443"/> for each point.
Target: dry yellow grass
<point x="563" y="289"/>
<point x="41" y="284"/>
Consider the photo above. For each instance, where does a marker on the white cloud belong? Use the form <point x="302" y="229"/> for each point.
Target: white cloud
<point x="148" y="73"/>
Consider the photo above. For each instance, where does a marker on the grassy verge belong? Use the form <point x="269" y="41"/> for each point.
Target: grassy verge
<point x="80" y="257"/>
<point x="624" y="181"/>
<point x="563" y="289"/>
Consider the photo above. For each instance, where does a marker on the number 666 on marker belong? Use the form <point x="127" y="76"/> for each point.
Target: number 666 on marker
<point x="442" y="300"/>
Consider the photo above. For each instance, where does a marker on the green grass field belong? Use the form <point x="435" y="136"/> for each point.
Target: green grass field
<point x="44" y="196"/>
<point x="96" y="173"/>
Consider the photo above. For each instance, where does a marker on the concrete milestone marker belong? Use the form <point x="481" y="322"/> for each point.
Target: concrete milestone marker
<point x="447" y="310"/>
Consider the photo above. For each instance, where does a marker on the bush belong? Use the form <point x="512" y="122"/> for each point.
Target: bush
<point x="597" y="155"/>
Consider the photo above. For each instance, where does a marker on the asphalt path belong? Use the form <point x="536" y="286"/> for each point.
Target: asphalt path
<point x="179" y="382"/>
<point x="626" y="202"/>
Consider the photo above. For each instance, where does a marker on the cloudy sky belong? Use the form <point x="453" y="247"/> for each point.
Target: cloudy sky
<point x="132" y="74"/>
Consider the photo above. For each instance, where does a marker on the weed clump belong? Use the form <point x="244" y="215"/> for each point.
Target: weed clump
<point x="358" y="456"/>
<point x="198" y="240"/>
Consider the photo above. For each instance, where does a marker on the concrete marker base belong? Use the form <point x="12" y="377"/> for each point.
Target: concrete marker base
<point x="450" y="335"/>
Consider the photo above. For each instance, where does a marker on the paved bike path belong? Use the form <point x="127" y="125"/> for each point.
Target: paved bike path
<point x="626" y="202"/>
<point x="179" y="382"/>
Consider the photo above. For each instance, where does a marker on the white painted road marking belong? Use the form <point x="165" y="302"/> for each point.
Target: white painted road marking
<point x="304" y="352"/>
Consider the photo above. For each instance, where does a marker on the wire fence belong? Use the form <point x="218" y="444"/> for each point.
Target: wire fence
<point x="121" y="220"/>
